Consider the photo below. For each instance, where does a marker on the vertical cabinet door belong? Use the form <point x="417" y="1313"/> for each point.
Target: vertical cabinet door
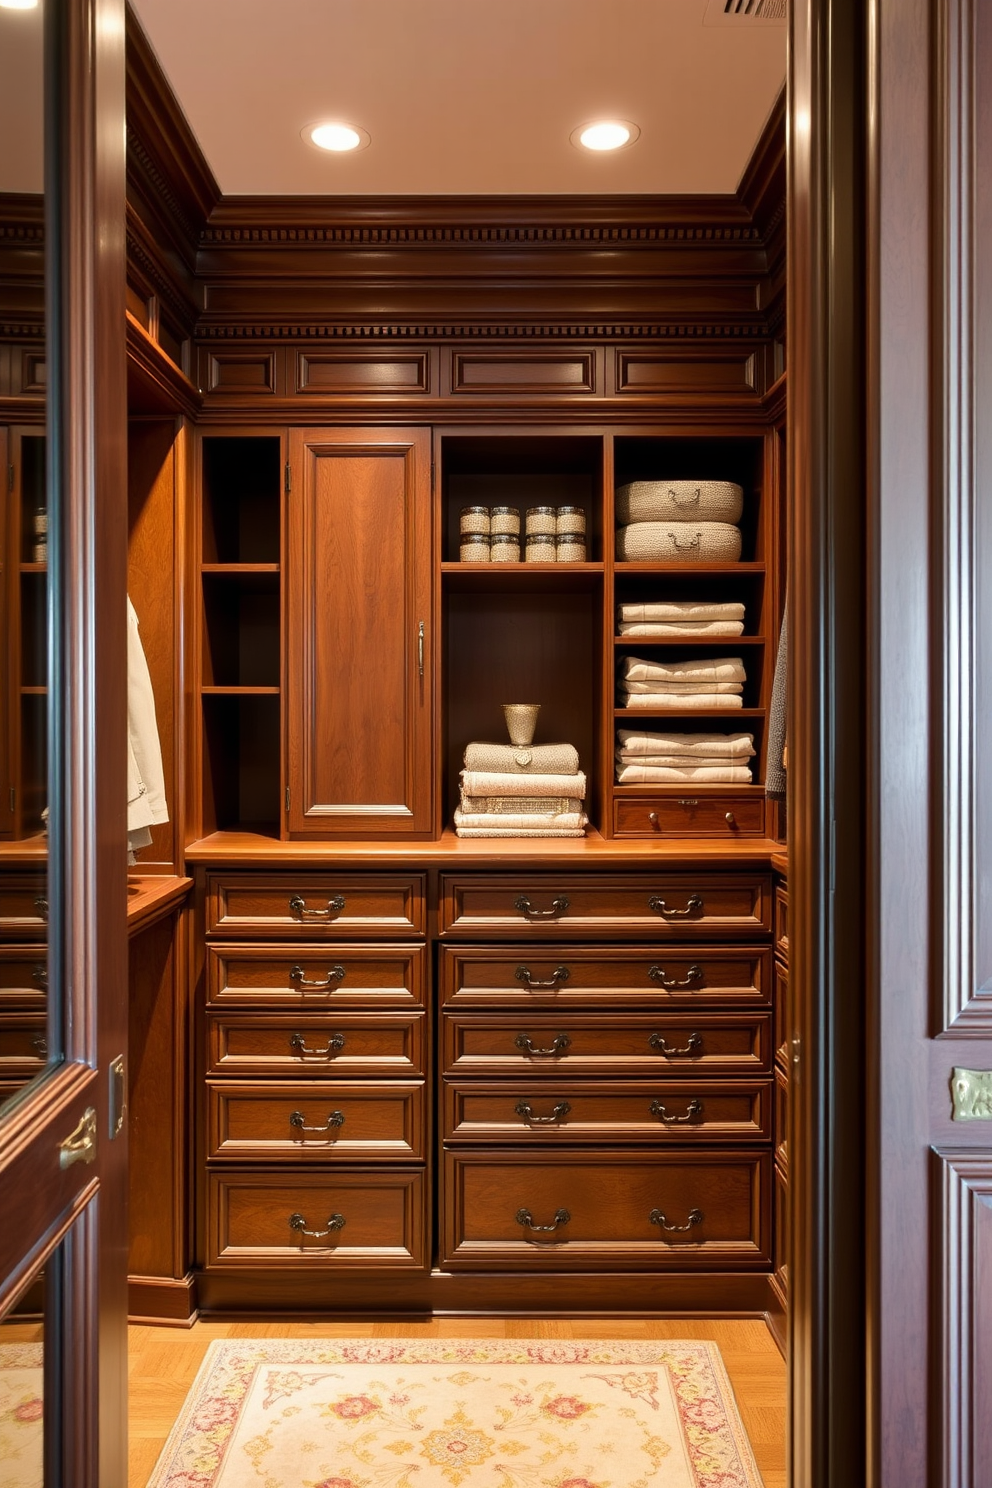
<point x="358" y="625"/>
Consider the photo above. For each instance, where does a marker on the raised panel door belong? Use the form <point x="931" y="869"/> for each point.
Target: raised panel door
<point x="359" y="605"/>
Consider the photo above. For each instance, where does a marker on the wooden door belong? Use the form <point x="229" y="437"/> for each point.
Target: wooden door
<point x="359" y="684"/>
<point x="63" y="1136"/>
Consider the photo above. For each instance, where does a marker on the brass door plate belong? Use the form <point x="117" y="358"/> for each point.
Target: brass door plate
<point x="971" y="1095"/>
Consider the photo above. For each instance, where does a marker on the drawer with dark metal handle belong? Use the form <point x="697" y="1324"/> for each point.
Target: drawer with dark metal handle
<point x="692" y="1111"/>
<point x="299" y="907"/>
<point x="693" y="978"/>
<point x="656" y="1217"/>
<point x="298" y="1043"/>
<point x="692" y="1047"/>
<point x="299" y="1224"/>
<point x="316" y="984"/>
<point x="526" y="1220"/>
<point x="694" y="905"/>
<point x="527" y="1112"/>
<point x="558" y="907"/>
<point x="297" y="1121"/>
<point x="558" y="1046"/>
<point x="523" y="974"/>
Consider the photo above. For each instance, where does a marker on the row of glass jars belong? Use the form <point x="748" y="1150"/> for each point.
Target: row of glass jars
<point x="499" y="521"/>
<point x="539" y="547"/>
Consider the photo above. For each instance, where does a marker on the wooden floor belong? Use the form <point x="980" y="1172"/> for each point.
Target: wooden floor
<point x="164" y="1361"/>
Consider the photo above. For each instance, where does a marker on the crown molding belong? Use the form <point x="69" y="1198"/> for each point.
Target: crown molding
<point x="208" y="331"/>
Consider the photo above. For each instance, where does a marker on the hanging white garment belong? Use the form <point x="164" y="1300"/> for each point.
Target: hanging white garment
<point x="146" y="803"/>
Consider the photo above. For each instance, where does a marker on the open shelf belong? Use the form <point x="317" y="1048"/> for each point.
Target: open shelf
<point x="683" y="715"/>
<point x="240" y="691"/>
<point x="236" y="569"/>
<point x="716" y="644"/>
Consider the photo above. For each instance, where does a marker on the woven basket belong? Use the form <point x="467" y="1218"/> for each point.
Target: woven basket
<point x="679" y="501"/>
<point x="679" y="542"/>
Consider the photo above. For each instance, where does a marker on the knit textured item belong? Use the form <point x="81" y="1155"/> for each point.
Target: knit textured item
<point x="679" y="501"/>
<point x="532" y="759"/>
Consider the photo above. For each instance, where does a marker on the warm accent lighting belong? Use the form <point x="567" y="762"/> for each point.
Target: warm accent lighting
<point x="18" y="4"/>
<point x="605" y="134"/>
<point x="336" y="137"/>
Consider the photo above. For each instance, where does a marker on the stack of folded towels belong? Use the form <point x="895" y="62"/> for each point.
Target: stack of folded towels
<point x="513" y="791"/>
<point x="671" y="759"/>
<point x="694" y="621"/>
<point x="701" y="683"/>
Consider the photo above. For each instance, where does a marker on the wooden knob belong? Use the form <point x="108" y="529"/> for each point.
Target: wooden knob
<point x="730" y="819"/>
<point x="653" y="818"/>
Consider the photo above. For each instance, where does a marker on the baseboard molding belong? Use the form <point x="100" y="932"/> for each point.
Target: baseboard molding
<point x="776" y="1316"/>
<point x="162" y="1300"/>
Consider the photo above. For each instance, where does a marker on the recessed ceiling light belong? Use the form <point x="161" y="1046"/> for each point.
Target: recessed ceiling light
<point x="605" y="134"/>
<point x="18" y="4"/>
<point x="337" y="137"/>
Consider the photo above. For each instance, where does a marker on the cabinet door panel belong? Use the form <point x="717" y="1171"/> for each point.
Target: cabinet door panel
<point x="359" y="677"/>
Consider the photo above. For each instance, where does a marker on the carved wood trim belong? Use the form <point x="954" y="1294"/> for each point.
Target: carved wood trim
<point x="211" y="330"/>
<point x="962" y="1005"/>
<point x="963" y="1183"/>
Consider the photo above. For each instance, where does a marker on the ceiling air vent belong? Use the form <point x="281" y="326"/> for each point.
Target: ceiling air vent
<point x="746" y="12"/>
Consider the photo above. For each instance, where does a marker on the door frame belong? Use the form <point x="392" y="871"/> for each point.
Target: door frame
<point x="74" y="1221"/>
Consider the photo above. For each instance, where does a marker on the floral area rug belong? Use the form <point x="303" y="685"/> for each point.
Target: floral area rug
<point x="21" y="1413"/>
<point x="364" y="1413"/>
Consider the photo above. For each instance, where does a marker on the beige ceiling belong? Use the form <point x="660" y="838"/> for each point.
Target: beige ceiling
<point x="467" y="96"/>
<point x="21" y="108"/>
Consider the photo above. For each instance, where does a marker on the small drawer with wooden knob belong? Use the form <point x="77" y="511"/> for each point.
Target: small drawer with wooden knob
<point x="573" y="1113"/>
<point x="690" y="815"/>
<point x="315" y="1046"/>
<point x="525" y="906"/>
<point x="316" y="1122"/>
<point x="613" y="1210"/>
<point x="353" y="1217"/>
<point x="629" y="1045"/>
<point x="308" y="906"/>
<point x="361" y="976"/>
<point x="593" y="976"/>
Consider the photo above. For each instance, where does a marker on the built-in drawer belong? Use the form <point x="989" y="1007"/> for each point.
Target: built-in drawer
<point x="608" y="1211"/>
<point x="781" y="1256"/>
<point x="316" y="1122"/>
<point x="352" y="1217"/>
<point x="589" y="976"/>
<point x="782" y="922"/>
<point x="620" y="1044"/>
<point x="384" y="1044"/>
<point x="728" y="816"/>
<point x="662" y="1112"/>
<point x="633" y="907"/>
<point x="781" y="1016"/>
<point x="305" y="906"/>
<point x="24" y="911"/>
<point x="23" y="1045"/>
<point x="782" y="1120"/>
<point x="24" y="978"/>
<point x="316" y="976"/>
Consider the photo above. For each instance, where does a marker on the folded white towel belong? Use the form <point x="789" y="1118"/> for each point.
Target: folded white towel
<point x="498" y="828"/>
<point x="562" y="820"/>
<point x="677" y="761"/>
<point x="702" y="774"/>
<point x="669" y="610"/>
<point x="517" y="805"/>
<point x="499" y="783"/>
<point x="707" y="746"/>
<point x="692" y="630"/>
<point x="687" y="700"/>
<point x="700" y="669"/>
<point x="664" y="684"/>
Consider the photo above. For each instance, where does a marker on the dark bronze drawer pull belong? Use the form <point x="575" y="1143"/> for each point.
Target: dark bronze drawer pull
<point x="558" y="1045"/>
<point x="335" y="1044"/>
<point x="41" y="905"/>
<point x="657" y="1218"/>
<point x="298" y="1121"/>
<point x="558" y="907"/>
<point x="40" y="1045"/>
<point x="525" y="1218"/>
<point x="692" y="978"/>
<point x="299" y="906"/>
<point x="660" y="907"/>
<point x="527" y="1112"/>
<point x="316" y="984"/>
<point x="693" y="1046"/>
<point x="298" y="1223"/>
<point x="692" y="1110"/>
<point x="560" y="974"/>
<point x="39" y="974"/>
